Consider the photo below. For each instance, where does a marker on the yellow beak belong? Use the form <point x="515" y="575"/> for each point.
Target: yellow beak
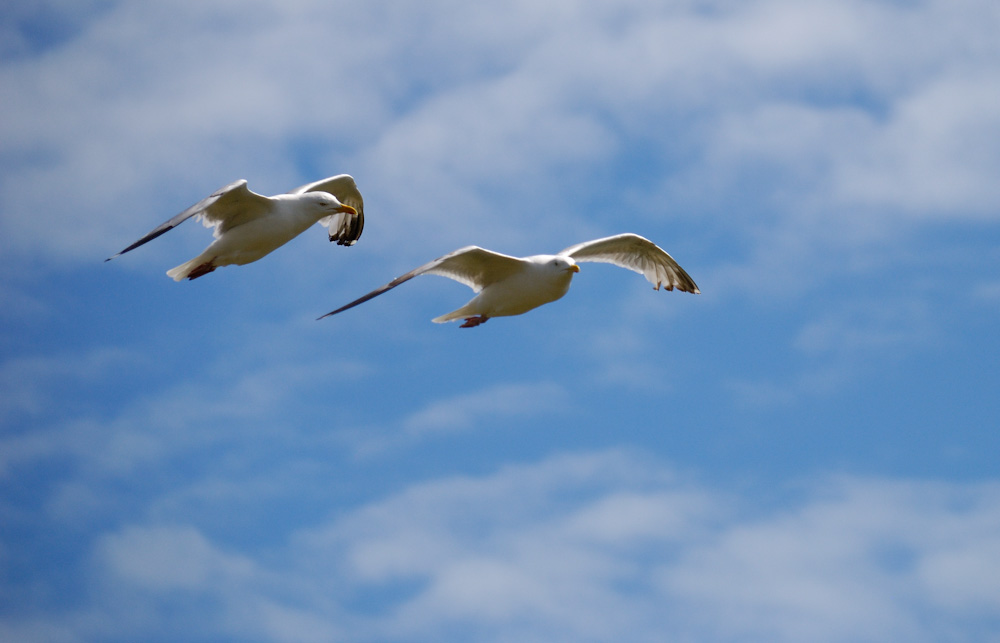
<point x="574" y="268"/>
<point x="348" y="209"/>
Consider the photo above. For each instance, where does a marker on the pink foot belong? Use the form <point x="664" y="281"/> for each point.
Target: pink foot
<point x="201" y="270"/>
<point x="472" y="322"/>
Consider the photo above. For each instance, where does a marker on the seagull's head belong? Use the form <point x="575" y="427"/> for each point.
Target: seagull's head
<point x="563" y="263"/>
<point x="327" y="203"/>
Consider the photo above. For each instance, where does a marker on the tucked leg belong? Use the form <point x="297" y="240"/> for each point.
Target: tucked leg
<point x="201" y="270"/>
<point x="471" y="322"/>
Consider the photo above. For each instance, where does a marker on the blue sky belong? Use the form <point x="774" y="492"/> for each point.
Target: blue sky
<point x="806" y="451"/>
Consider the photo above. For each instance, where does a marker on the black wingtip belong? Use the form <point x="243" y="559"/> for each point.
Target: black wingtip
<point x="350" y="232"/>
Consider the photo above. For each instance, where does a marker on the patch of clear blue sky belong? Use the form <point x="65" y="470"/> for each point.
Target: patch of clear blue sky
<point x="32" y="28"/>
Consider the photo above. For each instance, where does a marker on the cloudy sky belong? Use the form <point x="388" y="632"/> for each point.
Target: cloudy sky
<point x="807" y="451"/>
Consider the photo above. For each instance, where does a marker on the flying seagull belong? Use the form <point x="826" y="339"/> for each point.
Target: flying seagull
<point x="511" y="285"/>
<point x="249" y="225"/>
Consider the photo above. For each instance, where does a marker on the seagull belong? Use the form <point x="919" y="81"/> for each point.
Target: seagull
<point x="511" y="286"/>
<point x="249" y="225"/>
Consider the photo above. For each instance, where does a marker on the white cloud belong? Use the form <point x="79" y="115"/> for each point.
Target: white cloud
<point x="495" y="405"/>
<point x="201" y="411"/>
<point x="870" y="327"/>
<point x="849" y="561"/>
<point x="829" y="352"/>
<point x="29" y="383"/>
<point x="987" y="291"/>
<point x="39" y="631"/>
<point x="775" y="147"/>
<point x="170" y="558"/>
<point x="935" y="154"/>
<point x="585" y="547"/>
<point x="479" y="122"/>
<point x="497" y="402"/>
<point x="848" y="564"/>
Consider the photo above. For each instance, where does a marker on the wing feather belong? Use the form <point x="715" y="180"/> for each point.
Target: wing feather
<point x="234" y="207"/>
<point x="226" y="208"/>
<point x="473" y="266"/>
<point x="344" y="228"/>
<point x="637" y="254"/>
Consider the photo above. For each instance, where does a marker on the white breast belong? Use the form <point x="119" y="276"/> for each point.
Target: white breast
<point x="528" y="289"/>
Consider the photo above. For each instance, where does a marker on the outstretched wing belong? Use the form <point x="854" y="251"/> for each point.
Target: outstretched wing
<point x="345" y="228"/>
<point x="473" y="266"/>
<point x="225" y="208"/>
<point x="637" y="254"/>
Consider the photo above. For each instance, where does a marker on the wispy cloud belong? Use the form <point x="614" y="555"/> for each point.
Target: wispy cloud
<point x="174" y="417"/>
<point x="483" y="127"/>
<point x="583" y="546"/>
<point x="494" y="406"/>
<point x="497" y="402"/>
<point x="182" y="464"/>
<point x="30" y="384"/>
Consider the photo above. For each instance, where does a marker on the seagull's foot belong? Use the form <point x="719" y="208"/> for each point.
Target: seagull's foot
<point x="201" y="270"/>
<point x="472" y="322"/>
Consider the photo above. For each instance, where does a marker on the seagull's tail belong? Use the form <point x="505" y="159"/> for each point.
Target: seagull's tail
<point x="193" y="269"/>
<point x="455" y="315"/>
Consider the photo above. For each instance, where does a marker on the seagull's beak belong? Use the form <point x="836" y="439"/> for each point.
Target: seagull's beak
<point x="574" y="268"/>
<point x="348" y="209"/>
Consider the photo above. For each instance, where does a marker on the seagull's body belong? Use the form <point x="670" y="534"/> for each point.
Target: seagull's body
<point x="531" y="282"/>
<point x="249" y="226"/>
<point x="511" y="285"/>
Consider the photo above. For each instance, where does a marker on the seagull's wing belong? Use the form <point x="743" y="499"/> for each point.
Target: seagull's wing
<point x="225" y="208"/>
<point x="638" y="254"/>
<point x="233" y="207"/>
<point x="473" y="266"/>
<point x="345" y="228"/>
